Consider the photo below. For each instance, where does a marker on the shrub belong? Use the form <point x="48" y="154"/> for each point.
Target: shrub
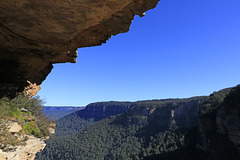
<point x="33" y="122"/>
<point x="31" y="128"/>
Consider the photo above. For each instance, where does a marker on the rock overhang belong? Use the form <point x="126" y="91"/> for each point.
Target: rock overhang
<point x="36" y="34"/>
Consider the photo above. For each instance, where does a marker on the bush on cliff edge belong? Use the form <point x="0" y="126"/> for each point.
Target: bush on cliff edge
<point x="28" y="113"/>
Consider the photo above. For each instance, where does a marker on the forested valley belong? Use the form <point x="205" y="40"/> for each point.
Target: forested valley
<point x="153" y="129"/>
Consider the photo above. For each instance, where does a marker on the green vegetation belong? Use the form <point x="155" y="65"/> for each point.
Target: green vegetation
<point x="71" y="125"/>
<point x="31" y="128"/>
<point x="218" y="146"/>
<point x="157" y="129"/>
<point x="232" y="100"/>
<point x="213" y="101"/>
<point x="28" y="113"/>
<point x="146" y="129"/>
<point x="6" y="139"/>
<point x="79" y="120"/>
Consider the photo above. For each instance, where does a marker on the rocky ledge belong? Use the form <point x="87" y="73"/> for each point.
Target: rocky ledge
<point x="36" y="34"/>
<point x="24" y="152"/>
<point x="26" y="149"/>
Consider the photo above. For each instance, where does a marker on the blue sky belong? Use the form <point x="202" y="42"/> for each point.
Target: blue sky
<point x="179" y="49"/>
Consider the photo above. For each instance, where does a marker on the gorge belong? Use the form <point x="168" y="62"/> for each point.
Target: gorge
<point x="194" y="128"/>
<point x="36" y="35"/>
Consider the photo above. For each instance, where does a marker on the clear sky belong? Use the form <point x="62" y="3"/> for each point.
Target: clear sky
<point x="180" y="49"/>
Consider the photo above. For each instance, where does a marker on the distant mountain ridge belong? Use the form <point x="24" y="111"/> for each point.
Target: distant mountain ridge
<point x="56" y="112"/>
<point x="197" y="128"/>
<point x="101" y="110"/>
<point x="128" y="133"/>
<point x="79" y="120"/>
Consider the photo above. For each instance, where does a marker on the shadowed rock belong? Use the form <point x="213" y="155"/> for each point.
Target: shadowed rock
<point x="36" y="34"/>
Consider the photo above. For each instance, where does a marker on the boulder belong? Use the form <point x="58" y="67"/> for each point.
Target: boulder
<point x="14" y="127"/>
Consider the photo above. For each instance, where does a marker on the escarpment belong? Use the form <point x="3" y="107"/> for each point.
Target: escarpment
<point x="219" y="130"/>
<point x="37" y="34"/>
<point x="197" y="128"/>
<point x="145" y="128"/>
<point x="79" y="120"/>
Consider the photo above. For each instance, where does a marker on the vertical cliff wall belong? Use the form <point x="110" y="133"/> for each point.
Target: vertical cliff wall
<point x="36" y="34"/>
<point x="218" y="133"/>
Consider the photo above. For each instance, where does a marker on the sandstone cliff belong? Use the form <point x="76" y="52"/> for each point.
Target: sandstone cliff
<point x="150" y="126"/>
<point x="101" y="110"/>
<point x="79" y="120"/>
<point x="217" y="135"/>
<point x="37" y="34"/>
<point x="94" y="112"/>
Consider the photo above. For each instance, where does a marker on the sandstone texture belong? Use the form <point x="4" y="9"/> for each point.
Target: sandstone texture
<point x="24" y="152"/>
<point x="25" y="147"/>
<point x="31" y="89"/>
<point x="36" y="34"/>
<point x="14" y="127"/>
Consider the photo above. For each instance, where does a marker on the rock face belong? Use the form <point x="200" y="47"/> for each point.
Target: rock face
<point x="79" y="120"/>
<point x="101" y="110"/>
<point x="31" y="89"/>
<point x="25" y="147"/>
<point x="229" y="123"/>
<point x="24" y="152"/>
<point x="143" y="122"/>
<point x="14" y="127"/>
<point x="166" y="115"/>
<point x="219" y="131"/>
<point x="228" y="118"/>
<point x="36" y="34"/>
